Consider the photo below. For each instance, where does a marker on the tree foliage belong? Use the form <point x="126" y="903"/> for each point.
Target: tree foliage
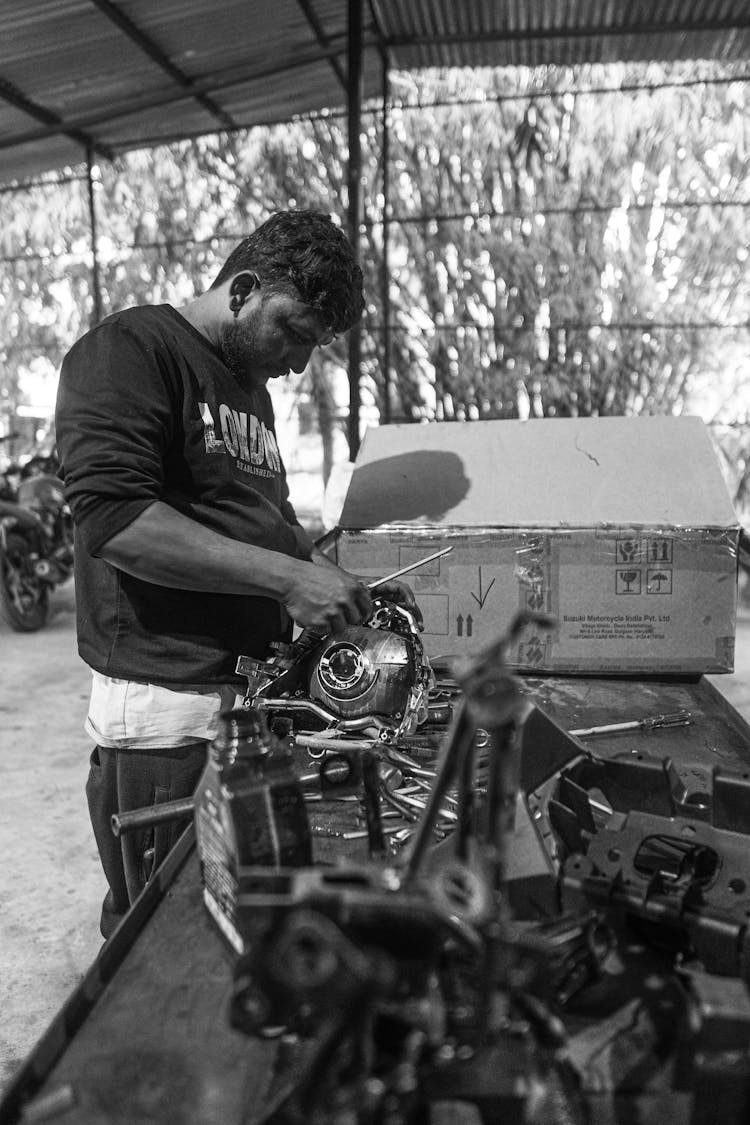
<point x="583" y="226"/>
<point x="560" y="243"/>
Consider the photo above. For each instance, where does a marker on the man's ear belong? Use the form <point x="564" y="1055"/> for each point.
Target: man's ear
<point x="240" y="289"/>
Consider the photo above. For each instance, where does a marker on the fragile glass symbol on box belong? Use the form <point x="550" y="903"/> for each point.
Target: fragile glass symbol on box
<point x="628" y="582"/>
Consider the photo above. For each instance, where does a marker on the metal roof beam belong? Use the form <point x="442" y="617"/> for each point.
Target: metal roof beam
<point x="226" y="81"/>
<point x="516" y="35"/>
<point x="323" y="40"/>
<point x="355" y="93"/>
<point x="52" y="122"/>
<point x="377" y="28"/>
<point x="155" y="53"/>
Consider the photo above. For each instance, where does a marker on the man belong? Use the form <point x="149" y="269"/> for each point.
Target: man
<point x="188" y="551"/>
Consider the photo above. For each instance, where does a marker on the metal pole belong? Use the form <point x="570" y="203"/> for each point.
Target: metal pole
<point x="385" y="278"/>
<point x="354" y="108"/>
<point x="96" y="314"/>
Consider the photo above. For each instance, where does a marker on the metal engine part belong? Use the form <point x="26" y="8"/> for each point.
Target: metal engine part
<point x="363" y="671"/>
<point x="406" y="975"/>
<point x="374" y="676"/>
<point x="630" y="836"/>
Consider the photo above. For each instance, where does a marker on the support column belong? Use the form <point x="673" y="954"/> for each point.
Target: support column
<point x="96" y="313"/>
<point x="385" y="275"/>
<point x="354" y="107"/>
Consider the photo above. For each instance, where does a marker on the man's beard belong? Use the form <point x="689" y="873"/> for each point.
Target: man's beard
<point x="237" y="343"/>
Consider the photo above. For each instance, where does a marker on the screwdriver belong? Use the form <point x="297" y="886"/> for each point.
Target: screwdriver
<point x="673" y="719"/>
<point x="405" y="569"/>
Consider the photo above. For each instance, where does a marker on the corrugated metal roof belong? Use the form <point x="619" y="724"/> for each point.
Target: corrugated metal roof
<point x="120" y="73"/>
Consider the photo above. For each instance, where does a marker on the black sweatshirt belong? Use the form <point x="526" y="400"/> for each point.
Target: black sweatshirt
<point x="147" y="411"/>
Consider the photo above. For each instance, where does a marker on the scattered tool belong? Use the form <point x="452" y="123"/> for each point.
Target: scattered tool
<point x="354" y="834"/>
<point x="331" y="777"/>
<point x="320" y="745"/>
<point x="673" y="719"/>
<point x="405" y="569"/>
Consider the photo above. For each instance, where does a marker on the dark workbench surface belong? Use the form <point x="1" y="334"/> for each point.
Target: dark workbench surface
<point x="145" y="1038"/>
<point x="717" y="736"/>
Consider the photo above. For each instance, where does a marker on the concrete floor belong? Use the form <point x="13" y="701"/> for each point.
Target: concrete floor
<point x="51" y="885"/>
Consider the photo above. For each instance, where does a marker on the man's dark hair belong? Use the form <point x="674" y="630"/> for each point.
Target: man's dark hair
<point x="305" y="253"/>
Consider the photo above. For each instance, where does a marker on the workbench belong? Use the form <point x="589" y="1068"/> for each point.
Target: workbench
<point x="145" y="1037"/>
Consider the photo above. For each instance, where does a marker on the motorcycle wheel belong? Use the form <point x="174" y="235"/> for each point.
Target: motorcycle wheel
<point x="24" y="599"/>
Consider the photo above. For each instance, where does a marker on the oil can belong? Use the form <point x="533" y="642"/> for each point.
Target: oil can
<point x="249" y="812"/>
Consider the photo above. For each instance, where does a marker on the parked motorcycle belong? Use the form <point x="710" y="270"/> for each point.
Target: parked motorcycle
<point x="36" y="544"/>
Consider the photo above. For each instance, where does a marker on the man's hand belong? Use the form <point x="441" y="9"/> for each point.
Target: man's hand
<point x="398" y="592"/>
<point x="395" y="590"/>
<point x="325" y="597"/>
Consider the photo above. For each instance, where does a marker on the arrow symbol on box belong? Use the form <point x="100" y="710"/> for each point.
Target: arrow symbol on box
<point x="482" y="595"/>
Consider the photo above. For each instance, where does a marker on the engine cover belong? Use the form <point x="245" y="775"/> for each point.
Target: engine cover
<point x="374" y="675"/>
<point x="363" y="671"/>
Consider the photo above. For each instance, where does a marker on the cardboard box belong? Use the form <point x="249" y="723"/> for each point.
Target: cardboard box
<point x="621" y="528"/>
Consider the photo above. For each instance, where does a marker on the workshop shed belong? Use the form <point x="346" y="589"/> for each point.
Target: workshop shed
<point x="86" y="80"/>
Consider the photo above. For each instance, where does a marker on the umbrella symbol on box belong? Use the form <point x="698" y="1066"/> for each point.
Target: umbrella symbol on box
<point x="659" y="581"/>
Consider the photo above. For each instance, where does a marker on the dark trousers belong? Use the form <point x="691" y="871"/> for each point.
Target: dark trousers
<point x="121" y="780"/>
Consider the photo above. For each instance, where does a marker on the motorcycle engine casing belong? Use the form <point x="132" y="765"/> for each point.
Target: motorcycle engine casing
<point x="361" y="671"/>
